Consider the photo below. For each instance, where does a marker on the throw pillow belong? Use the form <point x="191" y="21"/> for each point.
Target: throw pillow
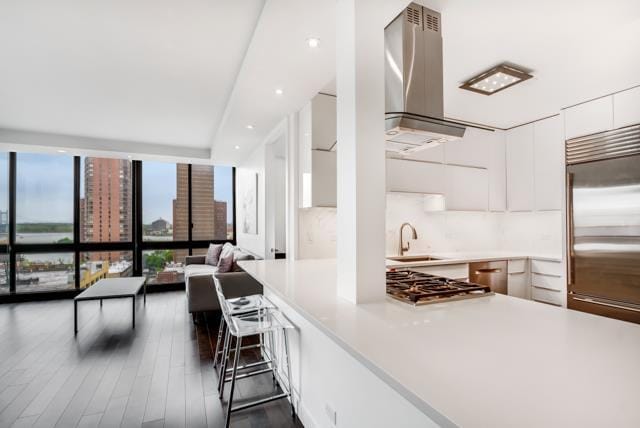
<point x="227" y="249"/>
<point x="213" y="254"/>
<point x="225" y="264"/>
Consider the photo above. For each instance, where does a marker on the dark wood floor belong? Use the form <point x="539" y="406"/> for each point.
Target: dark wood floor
<point x="109" y="375"/>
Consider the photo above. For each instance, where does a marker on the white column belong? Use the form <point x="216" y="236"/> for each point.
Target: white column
<point x="293" y="191"/>
<point x="361" y="155"/>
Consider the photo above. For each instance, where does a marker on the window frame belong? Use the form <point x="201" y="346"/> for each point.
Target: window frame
<point x="136" y="245"/>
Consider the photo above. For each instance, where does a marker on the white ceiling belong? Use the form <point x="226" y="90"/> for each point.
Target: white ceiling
<point x="153" y="71"/>
<point x="279" y="57"/>
<point x="576" y="49"/>
<point x="195" y="75"/>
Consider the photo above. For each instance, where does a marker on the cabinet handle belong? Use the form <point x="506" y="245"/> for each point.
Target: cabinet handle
<point x="497" y="270"/>
<point x="611" y="305"/>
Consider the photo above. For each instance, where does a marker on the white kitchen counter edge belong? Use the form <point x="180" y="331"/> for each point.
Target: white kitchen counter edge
<point x="419" y="403"/>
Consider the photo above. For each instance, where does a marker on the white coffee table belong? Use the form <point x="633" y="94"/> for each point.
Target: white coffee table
<point x="111" y="288"/>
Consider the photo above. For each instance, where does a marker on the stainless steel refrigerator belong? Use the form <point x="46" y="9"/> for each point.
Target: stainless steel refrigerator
<point x="603" y="230"/>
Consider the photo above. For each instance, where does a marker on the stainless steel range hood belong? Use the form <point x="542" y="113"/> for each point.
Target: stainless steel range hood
<point x="414" y="116"/>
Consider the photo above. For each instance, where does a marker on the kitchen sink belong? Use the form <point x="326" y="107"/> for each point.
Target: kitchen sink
<point x="412" y="258"/>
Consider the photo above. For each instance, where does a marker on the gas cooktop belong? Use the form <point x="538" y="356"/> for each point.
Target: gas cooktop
<point x="419" y="288"/>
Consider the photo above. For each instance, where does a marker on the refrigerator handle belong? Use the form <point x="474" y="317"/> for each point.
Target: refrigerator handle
<point x="570" y="231"/>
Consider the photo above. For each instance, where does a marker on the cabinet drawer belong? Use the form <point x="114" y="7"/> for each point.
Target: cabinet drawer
<point x="518" y="285"/>
<point x="546" y="296"/>
<point x="547" y="281"/>
<point x="517" y="266"/>
<point x="448" y="271"/>
<point x="546" y="267"/>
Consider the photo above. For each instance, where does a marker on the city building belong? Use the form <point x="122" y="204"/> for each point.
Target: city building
<point x="160" y="226"/>
<point x="220" y="220"/>
<point x="105" y="211"/>
<point x="208" y="216"/>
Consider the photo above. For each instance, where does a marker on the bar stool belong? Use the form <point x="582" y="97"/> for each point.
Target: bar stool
<point x="261" y="322"/>
<point x="238" y="306"/>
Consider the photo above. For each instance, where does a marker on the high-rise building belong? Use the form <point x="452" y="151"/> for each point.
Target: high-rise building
<point x="181" y="204"/>
<point x="106" y="208"/>
<point x="209" y="217"/>
<point x="220" y="220"/>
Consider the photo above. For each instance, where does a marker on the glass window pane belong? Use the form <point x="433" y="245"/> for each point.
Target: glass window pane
<point x="105" y="200"/>
<point x="163" y="266"/>
<point x="44" y="198"/>
<point x="97" y="265"/>
<point x="165" y="201"/>
<point x="212" y="202"/>
<point x="4" y="197"/>
<point x="4" y="273"/>
<point x="43" y="272"/>
<point x="223" y="176"/>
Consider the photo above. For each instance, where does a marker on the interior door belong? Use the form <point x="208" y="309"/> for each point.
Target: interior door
<point x="604" y="235"/>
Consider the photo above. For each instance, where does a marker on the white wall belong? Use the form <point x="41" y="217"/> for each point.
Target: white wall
<point x="445" y="231"/>
<point x="254" y="164"/>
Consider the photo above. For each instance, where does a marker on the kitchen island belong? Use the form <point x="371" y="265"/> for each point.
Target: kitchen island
<point x="491" y="361"/>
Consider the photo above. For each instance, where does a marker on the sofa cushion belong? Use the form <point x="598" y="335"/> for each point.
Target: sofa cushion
<point x="225" y="264"/>
<point x="213" y="254"/>
<point x="191" y="270"/>
<point x="227" y="248"/>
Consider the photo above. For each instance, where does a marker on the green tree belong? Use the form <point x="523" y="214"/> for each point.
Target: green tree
<point x="156" y="260"/>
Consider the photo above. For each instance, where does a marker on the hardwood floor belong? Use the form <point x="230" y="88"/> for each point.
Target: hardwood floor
<point x="161" y="374"/>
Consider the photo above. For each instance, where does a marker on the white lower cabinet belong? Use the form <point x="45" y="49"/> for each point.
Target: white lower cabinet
<point x="547" y="282"/>
<point x="518" y="279"/>
<point x="546" y="296"/>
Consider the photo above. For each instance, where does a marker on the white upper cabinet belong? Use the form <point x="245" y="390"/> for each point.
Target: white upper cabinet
<point x="626" y="108"/>
<point x="323" y="178"/>
<point x="519" y="142"/>
<point x="588" y="118"/>
<point x="323" y="122"/>
<point x="470" y="150"/>
<point x="467" y="188"/>
<point x="548" y="161"/>
<point x="415" y="176"/>
<point x="317" y="161"/>
<point x="496" y="164"/>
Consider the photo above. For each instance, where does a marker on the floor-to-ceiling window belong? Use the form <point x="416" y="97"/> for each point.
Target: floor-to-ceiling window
<point x="44" y="222"/>
<point x="81" y="219"/>
<point x="4" y="222"/>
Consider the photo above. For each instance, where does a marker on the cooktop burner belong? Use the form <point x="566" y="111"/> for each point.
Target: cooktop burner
<point x="422" y="288"/>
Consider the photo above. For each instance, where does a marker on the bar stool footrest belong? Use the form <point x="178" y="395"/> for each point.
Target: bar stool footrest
<point x="258" y="402"/>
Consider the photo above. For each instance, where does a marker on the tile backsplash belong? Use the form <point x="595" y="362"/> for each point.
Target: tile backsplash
<point x="443" y="231"/>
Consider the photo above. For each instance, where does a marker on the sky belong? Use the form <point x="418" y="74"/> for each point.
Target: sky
<point x="45" y="188"/>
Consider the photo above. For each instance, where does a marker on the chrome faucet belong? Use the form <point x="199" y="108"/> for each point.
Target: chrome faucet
<point x="414" y="235"/>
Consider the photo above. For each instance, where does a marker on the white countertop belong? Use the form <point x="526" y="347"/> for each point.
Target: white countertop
<point x="450" y="258"/>
<point x="494" y="361"/>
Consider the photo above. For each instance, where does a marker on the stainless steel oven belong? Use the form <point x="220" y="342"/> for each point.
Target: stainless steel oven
<point x="493" y="274"/>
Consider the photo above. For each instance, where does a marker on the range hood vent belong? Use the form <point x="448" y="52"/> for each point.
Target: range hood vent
<point x="414" y="118"/>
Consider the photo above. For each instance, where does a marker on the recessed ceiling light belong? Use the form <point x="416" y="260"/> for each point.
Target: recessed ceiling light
<point x="62" y="151"/>
<point x="313" y="42"/>
<point x="249" y="126"/>
<point x="496" y="79"/>
<point x="279" y="91"/>
<point x="237" y="147"/>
